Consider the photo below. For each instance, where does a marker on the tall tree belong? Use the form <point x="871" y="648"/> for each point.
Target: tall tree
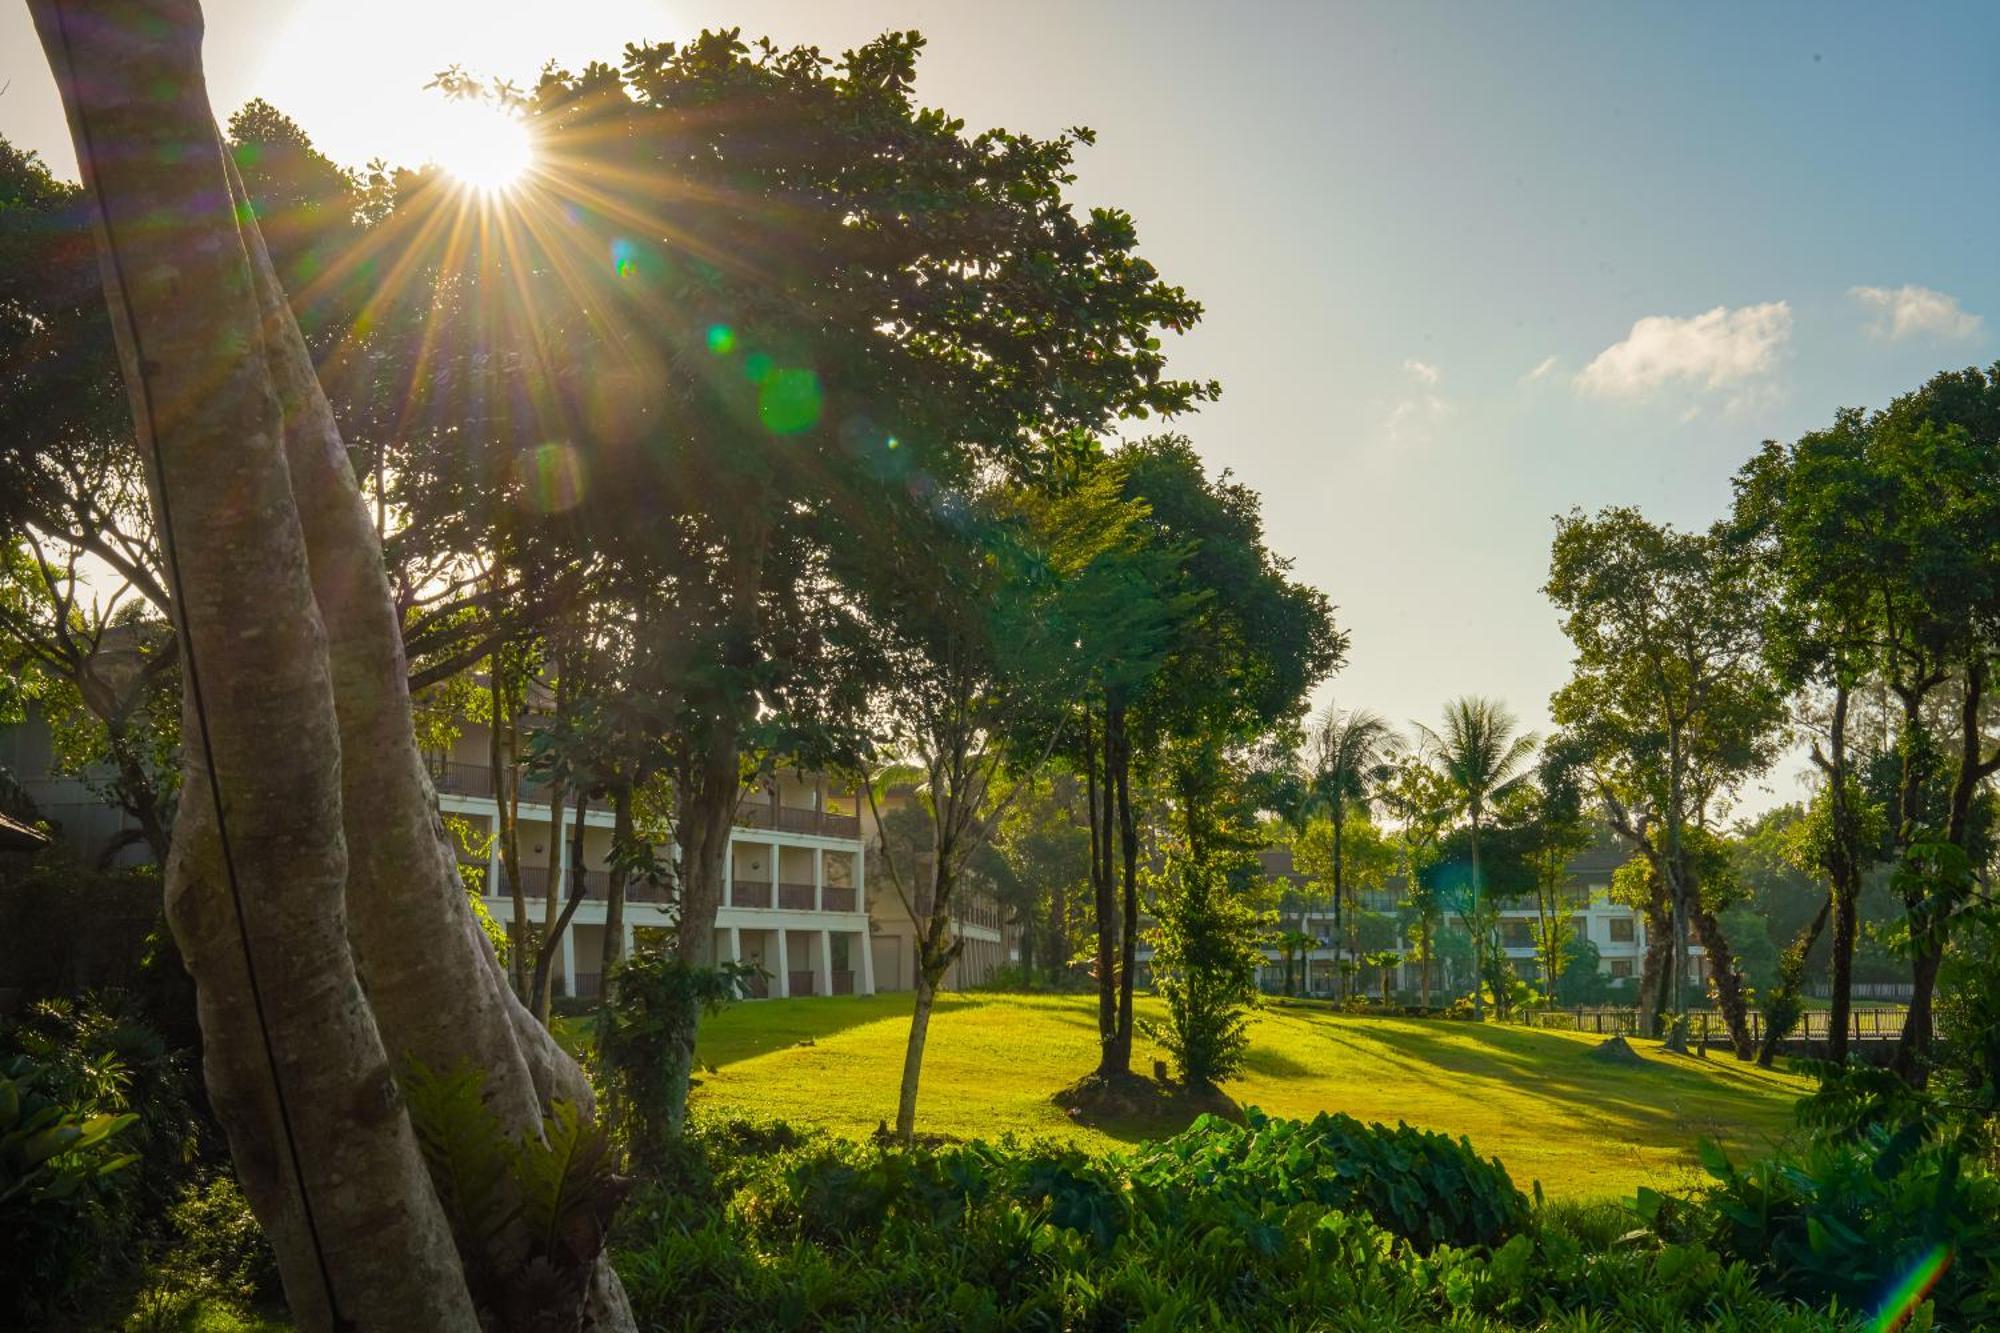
<point x="1348" y="749"/>
<point x="326" y="928"/>
<point x="1483" y="753"/>
<point x="1421" y="803"/>
<point x="1669" y="687"/>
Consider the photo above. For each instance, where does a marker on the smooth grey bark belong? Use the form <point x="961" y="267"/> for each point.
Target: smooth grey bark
<point x="366" y="947"/>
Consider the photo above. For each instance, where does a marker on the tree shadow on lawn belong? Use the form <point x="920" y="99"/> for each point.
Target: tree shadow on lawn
<point x="752" y="1028"/>
<point x="1656" y="1103"/>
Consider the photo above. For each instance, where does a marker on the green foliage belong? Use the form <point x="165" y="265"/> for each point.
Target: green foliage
<point x="1205" y="962"/>
<point x="647" y="1035"/>
<point x="1423" y="1187"/>
<point x="1853" y="1218"/>
<point x="96" y="1133"/>
<point x="530" y="1214"/>
<point x="211" y="1264"/>
<point x="1223" y="1227"/>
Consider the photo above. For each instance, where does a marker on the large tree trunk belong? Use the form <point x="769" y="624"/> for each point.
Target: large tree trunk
<point x="334" y="839"/>
<point x="1928" y="935"/>
<point x="708" y="811"/>
<point x="1728" y="981"/>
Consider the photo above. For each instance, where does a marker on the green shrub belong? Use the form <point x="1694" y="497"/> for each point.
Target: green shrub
<point x="1854" y="1217"/>
<point x="804" y="1231"/>
<point x="1423" y="1187"/>
<point x="1205" y="963"/>
<point x="106" y="1136"/>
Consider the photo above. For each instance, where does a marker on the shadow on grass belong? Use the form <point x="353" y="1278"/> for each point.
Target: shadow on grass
<point x="1653" y="1102"/>
<point x="1133" y="1107"/>
<point x="752" y="1028"/>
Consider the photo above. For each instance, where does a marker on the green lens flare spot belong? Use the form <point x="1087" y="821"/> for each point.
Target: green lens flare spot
<point x="756" y="367"/>
<point x="789" y="401"/>
<point x="721" y="339"/>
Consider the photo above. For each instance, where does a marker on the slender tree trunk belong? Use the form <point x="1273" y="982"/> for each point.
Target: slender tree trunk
<point x="499" y="754"/>
<point x="1128" y="836"/>
<point x="1478" y="923"/>
<point x="1104" y="902"/>
<point x="1781" y="1007"/>
<point x="1844" y="869"/>
<point x="614" y="888"/>
<point x="1339" y="904"/>
<point x="913" y="1051"/>
<point x="555" y="920"/>
<point x="284" y="602"/>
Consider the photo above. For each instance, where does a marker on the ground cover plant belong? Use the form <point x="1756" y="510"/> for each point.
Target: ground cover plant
<point x="1216" y="1228"/>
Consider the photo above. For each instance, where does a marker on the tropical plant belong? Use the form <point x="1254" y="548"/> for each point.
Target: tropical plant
<point x="1205" y="962"/>
<point x="1483" y="753"/>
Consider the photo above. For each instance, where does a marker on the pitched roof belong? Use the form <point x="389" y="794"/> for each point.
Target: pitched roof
<point x="18" y="837"/>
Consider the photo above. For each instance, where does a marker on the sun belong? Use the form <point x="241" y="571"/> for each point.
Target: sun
<point x="481" y="145"/>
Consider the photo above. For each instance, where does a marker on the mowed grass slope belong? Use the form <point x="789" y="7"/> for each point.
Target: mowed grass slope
<point x="1535" y="1100"/>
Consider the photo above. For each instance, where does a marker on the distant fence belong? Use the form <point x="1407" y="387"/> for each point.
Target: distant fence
<point x="1879" y="1023"/>
<point x="1898" y="991"/>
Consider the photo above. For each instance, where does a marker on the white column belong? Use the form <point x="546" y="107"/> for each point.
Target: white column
<point x="729" y="876"/>
<point x="735" y="944"/>
<point x="628" y="939"/>
<point x="784" y="967"/>
<point x="493" y="862"/>
<point x="859" y="860"/>
<point x="819" y="879"/>
<point x="867" y="962"/>
<point x="569" y="960"/>
<point x="825" y="985"/>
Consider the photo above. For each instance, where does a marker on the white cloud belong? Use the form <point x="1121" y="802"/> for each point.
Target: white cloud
<point x="1907" y="311"/>
<point x="1541" y="370"/>
<point x="1427" y="373"/>
<point x="1713" y="350"/>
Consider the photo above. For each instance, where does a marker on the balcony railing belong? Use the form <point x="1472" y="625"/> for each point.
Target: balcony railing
<point x="796" y="897"/>
<point x="837" y="898"/>
<point x="458" y="779"/>
<point x="750" y="893"/>
<point x="756" y="812"/>
<point x="843" y="983"/>
<point x="802" y="983"/>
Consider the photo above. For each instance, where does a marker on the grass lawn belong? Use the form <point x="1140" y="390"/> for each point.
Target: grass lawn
<point x="1536" y="1100"/>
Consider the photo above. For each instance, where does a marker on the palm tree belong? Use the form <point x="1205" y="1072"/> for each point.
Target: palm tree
<point x="1349" y="757"/>
<point x="1484" y="754"/>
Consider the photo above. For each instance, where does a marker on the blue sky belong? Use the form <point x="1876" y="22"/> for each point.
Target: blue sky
<point x="1396" y="213"/>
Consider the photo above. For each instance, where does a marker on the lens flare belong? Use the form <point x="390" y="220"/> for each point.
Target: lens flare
<point x="721" y="339"/>
<point x="551" y="477"/>
<point x="1904" y="1298"/>
<point x="789" y="401"/>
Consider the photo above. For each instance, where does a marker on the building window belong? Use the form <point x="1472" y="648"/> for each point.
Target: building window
<point x="1621" y="968"/>
<point x="1621" y="931"/>
<point x="1579" y="927"/>
<point x="1517" y="934"/>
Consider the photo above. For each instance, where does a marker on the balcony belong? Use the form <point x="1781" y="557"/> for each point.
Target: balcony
<point x="837" y="898"/>
<point x="802" y="983"/>
<point x="796" y="897"/>
<point x="755" y="811"/>
<point x="750" y="893"/>
<point x="455" y="779"/>
<point x="843" y="983"/>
